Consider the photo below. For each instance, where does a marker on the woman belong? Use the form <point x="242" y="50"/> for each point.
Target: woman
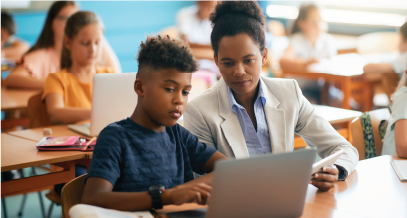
<point x="44" y="57"/>
<point x="247" y="115"/>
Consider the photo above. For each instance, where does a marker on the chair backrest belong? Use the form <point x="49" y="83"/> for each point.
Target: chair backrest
<point x="377" y="42"/>
<point x="357" y="132"/>
<point x="72" y="194"/>
<point x="37" y="112"/>
<point x="389" y="84"/>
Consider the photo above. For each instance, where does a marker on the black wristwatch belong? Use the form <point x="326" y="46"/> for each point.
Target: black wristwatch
<point x="155" y="191"/>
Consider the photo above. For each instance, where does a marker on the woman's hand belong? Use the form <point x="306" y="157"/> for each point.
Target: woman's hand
<point x="326" y="179"/>
<point x="198" y="193"/>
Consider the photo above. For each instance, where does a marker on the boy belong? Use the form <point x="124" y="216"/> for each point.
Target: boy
<point x="142" y="162"/>
<point x="398" y="65"/>
<point x="11" y="47"/>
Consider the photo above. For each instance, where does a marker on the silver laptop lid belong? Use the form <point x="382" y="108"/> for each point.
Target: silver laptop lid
<point x="113" y="99"/>
<point x="273" y="185"/>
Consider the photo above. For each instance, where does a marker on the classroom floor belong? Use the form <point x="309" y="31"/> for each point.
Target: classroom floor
<point x="32" y="204"/>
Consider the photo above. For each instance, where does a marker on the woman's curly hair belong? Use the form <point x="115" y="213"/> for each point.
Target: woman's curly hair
<point x="159" y="52"/>
<point x="231" y="18"/>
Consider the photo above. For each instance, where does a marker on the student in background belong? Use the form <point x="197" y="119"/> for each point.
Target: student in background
<point x="193" y="22"/>
<point x="308" y="44"/>
<point x="44" y="57"/>
<point x="68" y="93"/>
<point x="146" y="161"/>
<point x="11" y="47"/>
<point x="398" y="65"/>
<point x="395" y="139"/>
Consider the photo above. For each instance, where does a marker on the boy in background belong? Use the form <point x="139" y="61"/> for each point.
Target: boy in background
<point x="147" y="160"/>
<point x="11" y="47"/>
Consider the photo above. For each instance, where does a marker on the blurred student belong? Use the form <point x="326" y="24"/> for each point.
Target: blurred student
<point x="11" y="47"/>
<point x="68" y="93"/>
<point x="147" y="160"/>
<point x="395" y="139"/>
<point x="44" y="57"/>
<point x="193" y="22"/>
<point x="398" y="65"/>
<point x="308" y="44"/>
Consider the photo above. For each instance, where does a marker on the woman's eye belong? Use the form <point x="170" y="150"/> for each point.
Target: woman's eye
<point x="169" y="90"/>
<point x="85" y="43"/>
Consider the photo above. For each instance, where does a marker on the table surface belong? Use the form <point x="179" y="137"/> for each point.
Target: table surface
<point x="16" y="98"/>
<point x="36" y="134"/>
<point x="18" y="153"/>
<point x="336" y="115"/>
<point x="372" y="190"/>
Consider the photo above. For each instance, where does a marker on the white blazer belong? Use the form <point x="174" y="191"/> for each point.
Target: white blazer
<point x="209" y="116"/>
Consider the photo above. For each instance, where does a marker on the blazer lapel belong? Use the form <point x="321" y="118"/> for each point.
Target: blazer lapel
<point x="275" y="121"/>
<point x="231" y="126"/>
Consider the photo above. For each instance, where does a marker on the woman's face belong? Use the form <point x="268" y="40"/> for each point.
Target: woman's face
<point x="239" y="61"/>
<point x="313" y="25"/>
<point x="85" y="46"/>
<point x="58" y="24"/>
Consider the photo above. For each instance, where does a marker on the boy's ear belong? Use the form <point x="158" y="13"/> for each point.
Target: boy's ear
<point x="139" y="87"/>
<point x="67" y="43"/>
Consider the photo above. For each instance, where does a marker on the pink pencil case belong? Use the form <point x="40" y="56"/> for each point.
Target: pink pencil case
<point x="64" y="143"/>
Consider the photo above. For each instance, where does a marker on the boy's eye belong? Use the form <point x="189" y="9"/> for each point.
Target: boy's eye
<point x="227" y="63"/>
<point x="249" y="60"/>
<point x="85" y="43"/>
<point x="185" y="92"/>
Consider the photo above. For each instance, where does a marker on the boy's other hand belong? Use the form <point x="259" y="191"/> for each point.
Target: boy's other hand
<point x="198" y="193"/>
<point x="326" y="179"/>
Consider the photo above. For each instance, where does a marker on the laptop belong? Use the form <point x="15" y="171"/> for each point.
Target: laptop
<point x="273" y="185"/>
<point x="113" y="99"/>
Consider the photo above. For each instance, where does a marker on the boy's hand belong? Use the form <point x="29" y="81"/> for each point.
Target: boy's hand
<point x="198" y="193"/>
<point x="326" y="179"/>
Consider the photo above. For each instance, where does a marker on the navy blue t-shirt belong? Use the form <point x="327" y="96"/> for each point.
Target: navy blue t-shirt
<point x="133" y="158"/>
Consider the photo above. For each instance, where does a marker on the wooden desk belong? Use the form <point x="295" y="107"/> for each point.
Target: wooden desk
<point x="372" y="190"/>
<point x="18" y="153"/>
<point x="36" y="134"/>
<point x="335" y="116"/>
<point x="13" y="99"/>
<point x="346" y="71"/>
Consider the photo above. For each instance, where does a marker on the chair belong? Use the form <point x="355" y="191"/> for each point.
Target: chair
<point x="37" y="112"/>
<point x="376" y="117"/>
<point x="377" y="42"/>
<point x="389" y="84"/>
<point x="72" y="194"/>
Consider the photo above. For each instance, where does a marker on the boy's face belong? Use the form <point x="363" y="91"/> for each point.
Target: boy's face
<point x="165" y="95"/>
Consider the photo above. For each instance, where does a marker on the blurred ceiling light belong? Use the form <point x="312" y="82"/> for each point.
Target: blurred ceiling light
<point x="341" y="16"/>
<point x="388" y="4"/>
<point x="15" y="4"/>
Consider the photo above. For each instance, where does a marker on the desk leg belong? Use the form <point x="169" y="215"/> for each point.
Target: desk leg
<point x="347" y="92"/>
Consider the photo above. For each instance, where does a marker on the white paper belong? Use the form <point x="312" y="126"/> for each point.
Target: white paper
<point x="89" y="211"/>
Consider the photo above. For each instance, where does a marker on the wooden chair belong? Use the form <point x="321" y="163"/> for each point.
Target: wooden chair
<point x="37" y="112"/>
<point x="389" y="84"/>
<point x="72" y="194"/>
<point x="376" y="117"/>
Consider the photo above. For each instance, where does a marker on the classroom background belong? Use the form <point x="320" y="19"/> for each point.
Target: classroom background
<point x="365" y="31"/>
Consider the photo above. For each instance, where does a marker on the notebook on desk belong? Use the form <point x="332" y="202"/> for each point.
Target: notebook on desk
<point x="113" y="99"/>
<point x="400" y="166"/>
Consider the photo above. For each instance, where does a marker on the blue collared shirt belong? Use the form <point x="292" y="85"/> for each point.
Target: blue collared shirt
<point x="257" y="142"/>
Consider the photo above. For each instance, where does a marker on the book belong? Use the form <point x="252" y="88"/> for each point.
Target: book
<point x="64" y="143"/>
<point x="83" y="211"/>
<point x="400" y="166"/>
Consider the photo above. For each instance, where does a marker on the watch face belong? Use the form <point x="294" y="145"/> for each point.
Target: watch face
<point x="157" y="188"/>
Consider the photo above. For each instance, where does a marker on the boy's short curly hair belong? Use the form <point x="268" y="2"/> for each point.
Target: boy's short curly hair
<point x="159" y="52"/>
